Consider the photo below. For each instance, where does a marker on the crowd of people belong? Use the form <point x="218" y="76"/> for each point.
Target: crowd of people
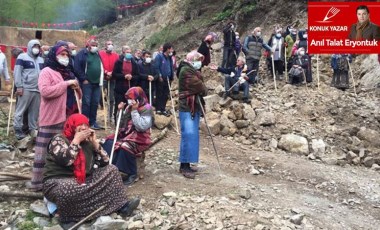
<point x="59" y="90"/>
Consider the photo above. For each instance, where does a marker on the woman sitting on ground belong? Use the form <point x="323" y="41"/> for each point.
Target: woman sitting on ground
<point x="78" y="178"/>
<point x="134" y="134"/>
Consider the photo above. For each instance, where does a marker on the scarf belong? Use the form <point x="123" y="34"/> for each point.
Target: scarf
<point x="359" y="29"/>
<point x="67" y="73"/>
<point x="128" y="137"/>
<point x="79" y="166"/>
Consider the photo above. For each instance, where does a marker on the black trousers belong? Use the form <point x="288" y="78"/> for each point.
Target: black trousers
<point x="162" y="94"/>
<point x="122" y="159"/>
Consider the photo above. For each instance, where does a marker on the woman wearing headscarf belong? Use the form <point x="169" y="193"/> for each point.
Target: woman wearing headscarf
<point x="56" y="82"/>
<point x="134" y="135"/>
<point x="191" y="90"/>
<point x="78" y="178"/>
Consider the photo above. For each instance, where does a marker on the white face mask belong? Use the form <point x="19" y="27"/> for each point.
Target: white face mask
<point x="171" y="54"/>
<point x="302" y="53"/>
<point x="197" y="64"/>
<point x="63" y="60"/>
<point x="94" y="49"/>
<point x="278" y="35"/>
<point x="232" y="27"/>
<point x="258" y="34"/>
<point x="148" y="60"/>
<point x="35" y="51"/>
<point x="110" y="47"/>
<point x="130" y="102"/>
<point x="73" y="52"/>
<point x="304" y="35"/>
<point x="46" y="53"/>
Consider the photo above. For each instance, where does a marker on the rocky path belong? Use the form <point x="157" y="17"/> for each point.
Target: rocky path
<point x="289" y="192"/>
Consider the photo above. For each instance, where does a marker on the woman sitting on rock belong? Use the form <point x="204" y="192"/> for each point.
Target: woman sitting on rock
<point x="78" y="178"/>
<point x="134" y="134"/>
<point x="299" y="70"/>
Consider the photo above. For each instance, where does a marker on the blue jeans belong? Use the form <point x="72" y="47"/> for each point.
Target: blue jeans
<point x="230" y="81"/>
<point x="91" y="98"/>
<point x="189" y="148"/>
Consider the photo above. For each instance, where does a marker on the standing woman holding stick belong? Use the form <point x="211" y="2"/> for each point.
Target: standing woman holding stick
<point x="190" y="87"/>
<point x="54" y="82"/>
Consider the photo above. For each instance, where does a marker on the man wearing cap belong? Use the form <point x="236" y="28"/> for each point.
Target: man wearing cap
<point x="89" y="67"/>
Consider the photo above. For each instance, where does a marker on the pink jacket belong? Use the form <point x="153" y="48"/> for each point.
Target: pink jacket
<point x="53" y="91"/>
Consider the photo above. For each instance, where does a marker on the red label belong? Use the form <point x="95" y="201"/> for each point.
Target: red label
<point x="331" y="28"/>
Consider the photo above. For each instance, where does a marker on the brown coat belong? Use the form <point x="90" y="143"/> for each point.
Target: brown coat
<point x="372" y="31"/>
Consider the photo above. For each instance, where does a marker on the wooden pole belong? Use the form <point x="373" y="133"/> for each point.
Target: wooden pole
<point x="274" y="74"/>
<point x="116" y="133"/>
<point x="318" y="70"/>
<point x="286" y="66"/>
<point x="87" y="217"/>
<point x="174" y="113"/>
<point x="34" y="195"/>
<point x="26" y="177"/>
<point x="352" y="75"/>
<point x="10" y="109"/>
<point x="78" y="102"/>
<point x="104" y="109"/>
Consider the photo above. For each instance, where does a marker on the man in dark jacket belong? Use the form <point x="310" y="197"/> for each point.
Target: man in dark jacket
<point x="252" y="47"/>
<point x="229" y="55"/>
<point x="164" y="67"/>
<point x="148" y="75"/>
<point x="364" y="29"/>
<point x="126" y="75"/>
<point x="89" y="67"/>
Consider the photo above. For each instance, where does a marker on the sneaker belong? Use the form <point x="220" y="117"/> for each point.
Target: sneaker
<point x="96" y="127"/>
<point x="20" y="134"/>
<point x="33" y="133"/>
<point x="130" y="180"/>
<point x="129" y="207"/>
<point x="246" y="100"/>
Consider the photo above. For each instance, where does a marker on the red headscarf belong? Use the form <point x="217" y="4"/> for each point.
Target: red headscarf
<point x="71" y="124"/>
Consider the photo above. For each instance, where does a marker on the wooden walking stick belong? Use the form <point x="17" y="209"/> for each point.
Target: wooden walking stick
<point x="274" y="74"/>
<point x="304" y="76"/>
<point x="352" y="75"/>
<point x="318" y="70"/>
<point x="150" y="93"/>
<point x="87" y="217"/>
<point x="104" y="109"/>
<point x="78" y="102"/>
<point x="116" y="133"/>
<point x="171" y="99"/>
<point x="10" y="109"/>
<point x="286" y="66"/>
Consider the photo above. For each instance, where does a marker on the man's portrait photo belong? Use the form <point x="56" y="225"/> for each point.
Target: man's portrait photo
<point x="364" y="29"/>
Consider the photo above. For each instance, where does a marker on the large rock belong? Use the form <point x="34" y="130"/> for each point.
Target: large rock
<point x="225" y="102"/>
<point x="39" y="207"/>
<point x="237" y="109"/>
<point x="248" y="113"/>
<point x="318" y="147"/>
<point x="228" y="128"/>
<point x="214" y="126"/>
<point x="212" y="84"/>
<point x="107" y="223"/>
<point x="161" y="121"/>
<point x="294" y="144"/>
<point x="370" y="68"/>
<point x="241" y="124"/>
<point x="370" y="136"/>
<point x="266" y="119"/>
<point x="211" y="102"/>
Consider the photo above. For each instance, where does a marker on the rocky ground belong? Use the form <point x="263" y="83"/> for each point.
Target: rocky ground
<point x="298" y="158"/>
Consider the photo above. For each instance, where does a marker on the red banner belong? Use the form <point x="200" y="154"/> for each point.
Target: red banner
<point x="343" y="27"/>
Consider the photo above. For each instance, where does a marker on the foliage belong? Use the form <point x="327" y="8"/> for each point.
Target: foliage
<point x="223" y="15"/>
<point x="174" y="32"/>
<point x="95" y="12"/>
<point x="28" y="224"/>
